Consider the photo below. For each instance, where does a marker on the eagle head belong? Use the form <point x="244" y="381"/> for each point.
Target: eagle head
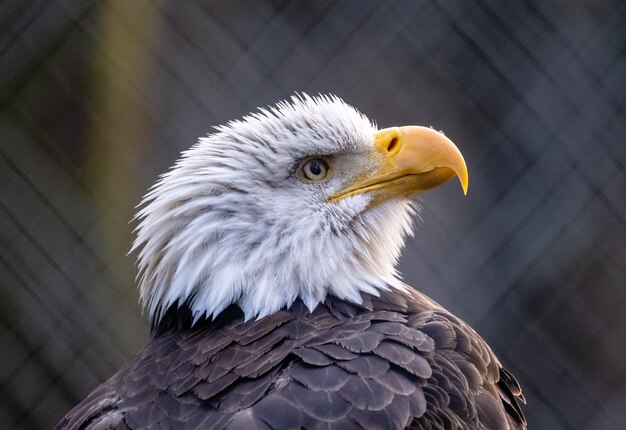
<point x="300" y="200"/>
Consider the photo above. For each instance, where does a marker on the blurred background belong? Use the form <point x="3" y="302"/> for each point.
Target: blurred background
<point x="97" y="98"/>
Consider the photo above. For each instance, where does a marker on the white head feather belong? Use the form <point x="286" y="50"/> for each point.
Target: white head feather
<point x="231" y="223"/>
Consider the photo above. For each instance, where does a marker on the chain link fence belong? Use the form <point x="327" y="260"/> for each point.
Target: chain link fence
<point x="99" y="97"/>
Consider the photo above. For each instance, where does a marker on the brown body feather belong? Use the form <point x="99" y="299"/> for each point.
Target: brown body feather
<point x="396" y="361"/>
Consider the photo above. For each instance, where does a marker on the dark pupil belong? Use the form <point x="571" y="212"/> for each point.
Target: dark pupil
<point x="315" y="168"/>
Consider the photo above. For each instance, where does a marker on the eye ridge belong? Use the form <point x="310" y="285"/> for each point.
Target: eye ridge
<point x="314" y="169"/>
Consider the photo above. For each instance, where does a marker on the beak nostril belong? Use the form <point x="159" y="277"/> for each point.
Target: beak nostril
<point x="392" y="144"/>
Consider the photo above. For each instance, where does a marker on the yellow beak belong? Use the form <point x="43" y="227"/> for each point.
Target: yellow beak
<point x="414" y="159"/>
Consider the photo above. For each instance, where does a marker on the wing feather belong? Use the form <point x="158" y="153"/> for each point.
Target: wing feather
<point x="398" y="361"/>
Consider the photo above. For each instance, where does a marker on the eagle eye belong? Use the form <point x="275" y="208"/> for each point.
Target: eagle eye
<point x="314" y="170"/>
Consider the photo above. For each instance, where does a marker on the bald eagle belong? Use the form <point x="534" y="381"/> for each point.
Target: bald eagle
<point x="267" y="262"/>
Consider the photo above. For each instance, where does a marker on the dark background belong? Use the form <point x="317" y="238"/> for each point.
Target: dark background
<point x="97" y="98"/>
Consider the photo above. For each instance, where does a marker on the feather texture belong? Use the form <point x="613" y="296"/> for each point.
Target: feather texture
<point x="403" y="363"/>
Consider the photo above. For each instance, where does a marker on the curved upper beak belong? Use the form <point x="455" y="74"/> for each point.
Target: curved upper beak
<point x="414" y="159"/>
